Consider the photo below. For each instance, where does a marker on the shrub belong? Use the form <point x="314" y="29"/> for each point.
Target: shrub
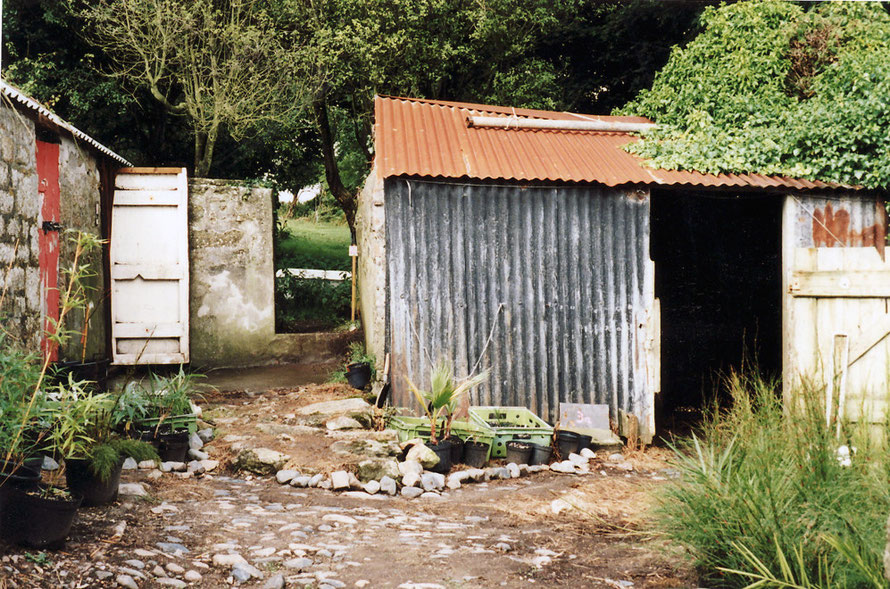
<point x="762" y="496"/>
<point x="309" y="299"/>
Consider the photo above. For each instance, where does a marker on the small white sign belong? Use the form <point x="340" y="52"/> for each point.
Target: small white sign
<point x="353" y="251"/>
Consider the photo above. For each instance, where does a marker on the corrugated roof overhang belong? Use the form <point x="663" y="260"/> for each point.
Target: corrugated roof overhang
<point x="17" y="98"/>
<point x="431" y="138"/>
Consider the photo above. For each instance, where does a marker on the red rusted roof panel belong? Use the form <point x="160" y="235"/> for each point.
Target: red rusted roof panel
<point x="416" y="137"/>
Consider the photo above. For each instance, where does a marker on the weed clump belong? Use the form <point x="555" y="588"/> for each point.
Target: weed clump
<point x="764" y="498"/>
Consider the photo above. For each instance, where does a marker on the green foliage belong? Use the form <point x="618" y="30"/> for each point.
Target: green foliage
<point x="355" y="353"/>
<point x="315" y="302"/>
<point x="19" y="377"/>
<point x="304" y="243"/>
<point x="443" y="396"/>
<point x="772" y="88"/>
<point x="762" y="496"/>
<point x="105" y="457"/>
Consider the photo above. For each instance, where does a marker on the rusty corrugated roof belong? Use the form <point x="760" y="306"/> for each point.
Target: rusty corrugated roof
<point x="430" y="138"/>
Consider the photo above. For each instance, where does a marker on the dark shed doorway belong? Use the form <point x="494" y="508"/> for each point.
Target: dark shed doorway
<point x="718" y="275"/>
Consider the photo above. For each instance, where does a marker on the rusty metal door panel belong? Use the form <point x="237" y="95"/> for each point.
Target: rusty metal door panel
<point x="558" y="278"/>
<point x="838" y="302"/>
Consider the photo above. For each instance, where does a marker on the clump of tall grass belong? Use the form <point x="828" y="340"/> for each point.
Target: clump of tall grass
<point x="762" y="499"/>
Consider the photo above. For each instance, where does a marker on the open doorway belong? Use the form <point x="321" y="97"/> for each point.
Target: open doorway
<point x="718" y="275"/>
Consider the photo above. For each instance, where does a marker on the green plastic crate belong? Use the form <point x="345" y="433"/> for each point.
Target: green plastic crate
<point x="419" y="427"/>
<point x="511" y="423"/>
<point x="188" y="421"/>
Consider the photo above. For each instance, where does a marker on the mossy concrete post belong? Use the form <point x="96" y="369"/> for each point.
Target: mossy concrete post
<point x="232" y="284"/>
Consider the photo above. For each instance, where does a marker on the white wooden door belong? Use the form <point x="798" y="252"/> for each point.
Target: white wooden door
<point x="149" y="267"/>
<point x="837" y="304"/>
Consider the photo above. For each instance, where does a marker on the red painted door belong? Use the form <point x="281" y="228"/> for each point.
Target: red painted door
<point x="48" y="239"/>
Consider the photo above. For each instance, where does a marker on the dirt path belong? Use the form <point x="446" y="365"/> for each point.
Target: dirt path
<point x="495" y="534"/>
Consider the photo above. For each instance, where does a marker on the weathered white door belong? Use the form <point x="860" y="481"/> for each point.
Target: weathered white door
<point x="837" y="303"/>
<point x="149" y="267"/>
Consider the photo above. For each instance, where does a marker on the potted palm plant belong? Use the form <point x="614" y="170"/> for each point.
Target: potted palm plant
<point x="440" y="404"/>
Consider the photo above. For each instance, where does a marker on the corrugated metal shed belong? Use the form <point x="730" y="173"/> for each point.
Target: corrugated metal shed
<point x="556" y="276"/>
<point x="430" y="138"/>
<point x="17" y="97"/>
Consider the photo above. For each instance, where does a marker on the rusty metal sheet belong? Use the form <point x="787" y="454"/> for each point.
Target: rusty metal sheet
<point x="554" y="276"/>
<point x="430" y="138"/>
<point x="841" y="221"/>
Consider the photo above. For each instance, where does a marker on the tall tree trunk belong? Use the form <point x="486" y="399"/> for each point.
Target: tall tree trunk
<point x="202" y="165"/>
<point x="344" y="198"/>
<point x="200" y="143"/>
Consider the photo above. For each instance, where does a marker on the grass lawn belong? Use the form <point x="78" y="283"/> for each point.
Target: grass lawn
<point x="320" y="246"/>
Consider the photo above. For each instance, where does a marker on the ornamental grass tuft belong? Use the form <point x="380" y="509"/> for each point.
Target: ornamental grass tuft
<point x="763" y="499"/>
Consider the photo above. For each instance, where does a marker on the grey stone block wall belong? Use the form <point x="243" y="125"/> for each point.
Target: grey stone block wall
<point x="21" y="312"/>
<point x="80" y="202"/>
<point x="20" y="221"/>
<point x="231" y="274"/>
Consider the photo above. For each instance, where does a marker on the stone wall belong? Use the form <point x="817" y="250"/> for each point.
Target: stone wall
<point x="80" y="204"/>
<point x="19" y="220"/>
<point x="231" y="270"/>
<point x="371" y="238"/>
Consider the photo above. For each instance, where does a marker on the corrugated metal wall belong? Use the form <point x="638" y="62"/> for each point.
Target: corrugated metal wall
<point x="556" y="274"/>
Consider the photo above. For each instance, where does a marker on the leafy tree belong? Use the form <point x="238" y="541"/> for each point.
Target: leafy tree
<point x="772" y="88"/>
<point x="218" y="63"/>
<point x="45" y="57"/>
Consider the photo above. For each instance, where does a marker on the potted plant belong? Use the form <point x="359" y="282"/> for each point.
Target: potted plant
<point x="83" y="436"/>
<point x="360" y="367"/>
<point x="161" y="413"/>
<point x="33" y="513"/>
<point x="440" y="404"/>
<point x="20" y="409"/>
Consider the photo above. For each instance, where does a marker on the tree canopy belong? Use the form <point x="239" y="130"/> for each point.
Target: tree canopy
<point x="775" y="87"/>
<point x="581" y="55"/>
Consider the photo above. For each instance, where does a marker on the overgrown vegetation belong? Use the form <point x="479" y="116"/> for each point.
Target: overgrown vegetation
<point x="355" y="353"/>
<point x="777" y="88"/>
<point x="764" y="498"/>
<point x="308" y="304"/>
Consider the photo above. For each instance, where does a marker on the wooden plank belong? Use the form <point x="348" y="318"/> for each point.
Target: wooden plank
<point x="149" y="170"/>
<point x="148" y="198"/>
<point x="838" y="283"/>
<point x="147" y="272"/>
<point x="145" y="330"/>
<point x="146" y="359"/>
<point x="184" y="262"/>
<point x="146" y="182"/>
<point x="871" y="336"/>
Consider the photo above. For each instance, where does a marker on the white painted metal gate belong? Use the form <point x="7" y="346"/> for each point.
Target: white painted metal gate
<point x="150" y="267"/>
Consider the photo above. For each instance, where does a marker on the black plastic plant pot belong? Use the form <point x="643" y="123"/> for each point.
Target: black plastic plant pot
<point x="84" y="482"/>
<point x="583" y="442"/>
<point x="358" y="374"/>
<point x="443" y="451"/>
<point x="95" y="372"/>
<point x="476" y="454"/>
<point x="519" y="452"/>
<point x="173" y="447"/>
<point x="540" y="454"/>
<point x="30" y="519"/>
<point x="25" y="476"/>
<point x="566" y="443"/>
<point x="457" y="450"/>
